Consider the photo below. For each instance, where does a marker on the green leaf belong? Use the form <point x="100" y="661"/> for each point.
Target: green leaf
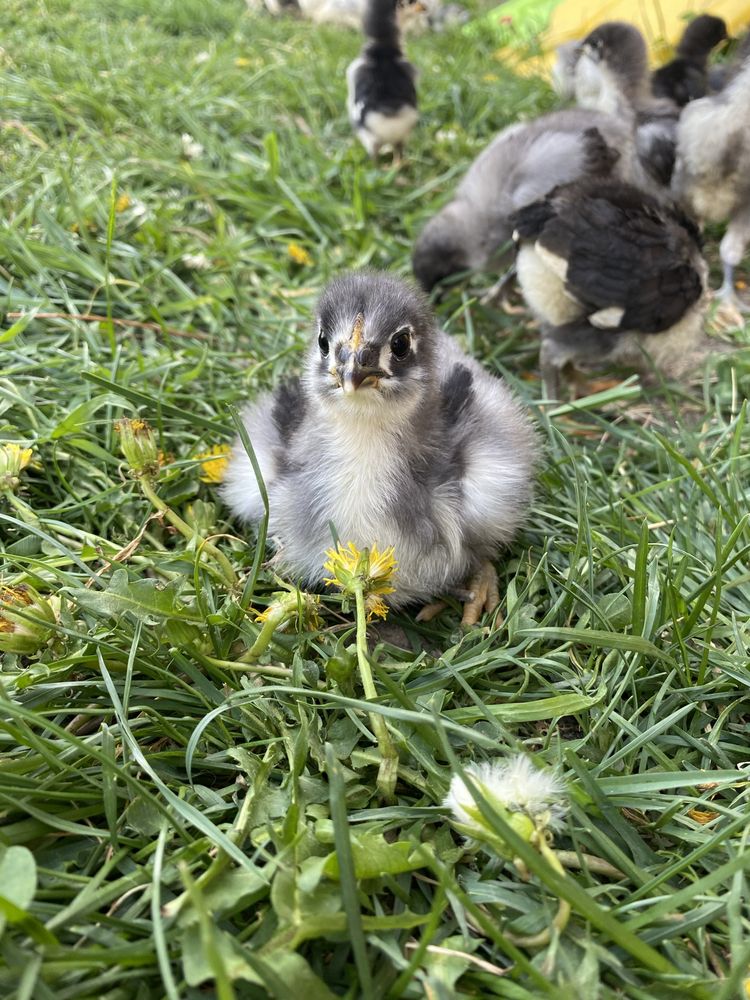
<point x="374" y="856"/>
<point x="146" y="600"/>
<point x="532" y="711"/>
<point x="598" y="638"/>
<point x="17" y="884"/>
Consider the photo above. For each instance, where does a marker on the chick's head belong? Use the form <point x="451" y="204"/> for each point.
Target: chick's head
<point x="618" y="47"/>
<point x="373" y="343"/>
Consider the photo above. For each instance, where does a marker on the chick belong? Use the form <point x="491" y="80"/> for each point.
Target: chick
<point x="611" y="75"/>
<point x="523" y="163"/>
<point x="395" y="437"/>
<point x="382" y="96"/>
<point x="712" y="172"/>
<point x="611" y="272"/>
<point x="685" y="78"/>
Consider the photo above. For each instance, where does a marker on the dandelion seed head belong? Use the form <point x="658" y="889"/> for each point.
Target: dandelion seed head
<point x="512" y="786"/>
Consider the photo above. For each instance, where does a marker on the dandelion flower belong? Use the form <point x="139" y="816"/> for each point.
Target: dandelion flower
<point x="122" y="203"/>
<point x="524" y="795"/>
<point x="299" y="255"/>
<point x="18" y="633"/>
<point x="368" y="569"/>
<point x="213" y="463"/>
<point x="13" y="460"/>
<point x="242" y="61"/>
<point x="138" y="445"/>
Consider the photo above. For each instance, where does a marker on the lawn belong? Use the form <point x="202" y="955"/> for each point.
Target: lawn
<point x="182" y="818"/>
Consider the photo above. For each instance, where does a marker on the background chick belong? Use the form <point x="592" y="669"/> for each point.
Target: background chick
<point x="612" y="75"/>
<point x="610" y="271"/>
<point x="395" y="437"/>
<point x="685" y="78"/>
<point x="523" y="163"/>
<point x="382" y="96"/>
<point x="712" y="171"/>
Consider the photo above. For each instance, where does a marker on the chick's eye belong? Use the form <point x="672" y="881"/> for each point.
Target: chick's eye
<point x="401" y="344"/>
<point x="323" y="344"/>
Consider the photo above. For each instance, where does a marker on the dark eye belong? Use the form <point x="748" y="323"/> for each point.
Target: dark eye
<point x="323" y="344"/>
<point x="401" y="344"/>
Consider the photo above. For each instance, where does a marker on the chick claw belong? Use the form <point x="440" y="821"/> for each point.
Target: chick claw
<point x="485" y="594"/>
<point x="430" y="611"/>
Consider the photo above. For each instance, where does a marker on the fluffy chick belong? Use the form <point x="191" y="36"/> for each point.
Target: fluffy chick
<point x="610" y="272"/>
<point x="382" y="96"/>
<point x="523" y="163"/>
<point x="611" y="75"/>
<point x="395" y="437"/>
<point x="685" y="78"/>
<point x="712" y="171"/>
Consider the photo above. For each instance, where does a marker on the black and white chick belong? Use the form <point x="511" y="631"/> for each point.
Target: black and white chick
<point x="395" y="437"/>
<point x="611" y="273"/>
<point x="525" y="161"/>
<point x="685" y="78"/>
<point x="712" y="171"/>
<point x="381" y="84"/>
<point x="612" y="75"/>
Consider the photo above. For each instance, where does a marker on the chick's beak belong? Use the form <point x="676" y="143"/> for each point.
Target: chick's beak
<point x="353" y="377"/>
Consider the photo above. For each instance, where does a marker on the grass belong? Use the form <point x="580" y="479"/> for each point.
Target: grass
<point x="178" y="822"/>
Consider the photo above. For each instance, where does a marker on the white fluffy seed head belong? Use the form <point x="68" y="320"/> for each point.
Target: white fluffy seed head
<point x="515" y="785"/>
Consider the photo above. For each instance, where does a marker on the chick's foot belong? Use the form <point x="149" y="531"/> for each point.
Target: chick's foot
<point x="485" y="595"/>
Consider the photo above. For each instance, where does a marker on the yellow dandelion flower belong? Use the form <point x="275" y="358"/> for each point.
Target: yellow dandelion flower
<point x="369" y="568"/>
<point x="375" y="606"/>
<point x="13" y="460"/>
<point x="138" y="445"/>
<point x="122" y="203"/>
<point x="214" y="463"/>
<point x="382" y="566"/>
<point x="241" y="62"/>
<point x="18" y="634"/>
<point x="299" y="255"/>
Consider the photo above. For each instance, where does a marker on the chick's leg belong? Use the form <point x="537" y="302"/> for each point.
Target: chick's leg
<point x="484" y="594"/>
<point x="731" y="249"/>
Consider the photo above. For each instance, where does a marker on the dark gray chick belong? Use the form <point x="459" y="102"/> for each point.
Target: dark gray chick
<point x="396" y="437"/>
<point x="382" y="96"/>
<point x="612" y="75"/>
<point x="685" y="78"/>
<point x="712" y="172"/>
<point x="523" y="163"/>
<point x="611" y="273"/>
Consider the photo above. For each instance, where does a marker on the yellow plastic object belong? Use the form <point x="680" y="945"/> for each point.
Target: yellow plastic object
<point x="528" y="44"/>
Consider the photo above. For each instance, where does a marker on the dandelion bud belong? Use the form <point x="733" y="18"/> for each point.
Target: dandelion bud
<point x="18" y="633"/>
<point x="13" y="460"/>
<point x="138" y="445"/>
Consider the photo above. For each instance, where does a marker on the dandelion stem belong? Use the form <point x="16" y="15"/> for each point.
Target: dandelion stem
<point x="562" y="916"/>
<point x="388" y="770"/>
<point x="190" y="533"/>
<point x="255" y="668"/>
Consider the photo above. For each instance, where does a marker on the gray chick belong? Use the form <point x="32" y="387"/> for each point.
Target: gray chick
<point x="395" y="437"/>
<point x="612" y="75"/>
<point x="611" y="273"/>
<point x="712" y="172"/>
<point x="525" y="161"/>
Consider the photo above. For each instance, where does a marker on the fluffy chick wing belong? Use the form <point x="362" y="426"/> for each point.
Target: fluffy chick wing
<point x="490" y="450"/>
<point x="274" y="419"/>
<point x="629" y="260"/>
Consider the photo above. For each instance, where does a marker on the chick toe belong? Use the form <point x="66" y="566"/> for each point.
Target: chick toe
<point x="485" y="595"/>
